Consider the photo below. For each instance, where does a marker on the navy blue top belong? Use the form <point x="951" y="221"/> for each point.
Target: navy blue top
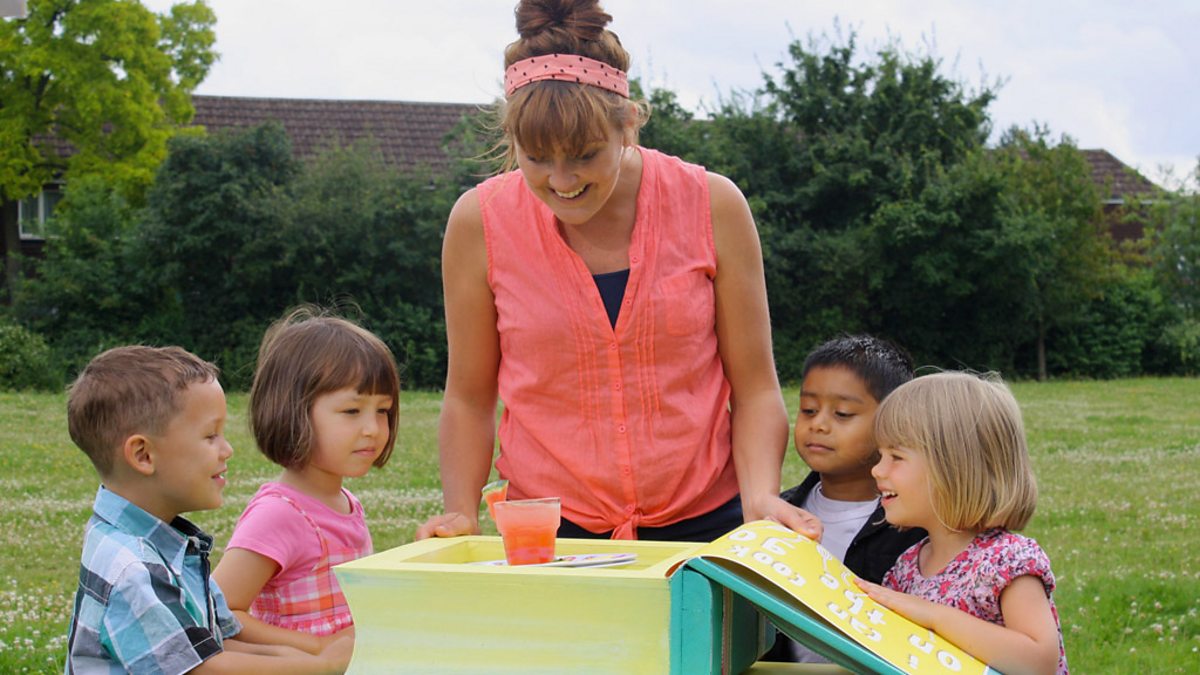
<point x="612" y="289"/>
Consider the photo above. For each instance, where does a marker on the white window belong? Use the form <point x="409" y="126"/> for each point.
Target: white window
<point x="33" y="212"/>
<point x="14" y="8"/>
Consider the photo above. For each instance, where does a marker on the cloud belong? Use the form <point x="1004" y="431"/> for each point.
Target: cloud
<point x="1111" y="74"/>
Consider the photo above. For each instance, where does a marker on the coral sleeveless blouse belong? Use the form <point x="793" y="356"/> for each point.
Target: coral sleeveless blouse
<point x="628" y="425"/>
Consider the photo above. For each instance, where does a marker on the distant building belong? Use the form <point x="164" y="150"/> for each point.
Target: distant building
<point x="410" y="135"/>
<point x="1125" y="188"/>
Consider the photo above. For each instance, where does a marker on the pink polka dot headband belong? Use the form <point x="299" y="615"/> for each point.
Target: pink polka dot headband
<point x="565" y="68"/>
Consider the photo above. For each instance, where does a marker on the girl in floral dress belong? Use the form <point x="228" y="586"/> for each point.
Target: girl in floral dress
<point x="954" y="462"/>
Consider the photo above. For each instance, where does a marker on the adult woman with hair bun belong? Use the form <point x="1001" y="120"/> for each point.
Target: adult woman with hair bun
<point x="613" y="298"/>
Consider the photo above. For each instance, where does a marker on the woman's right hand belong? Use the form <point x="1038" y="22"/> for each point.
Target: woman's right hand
<point x="448" y="525"/>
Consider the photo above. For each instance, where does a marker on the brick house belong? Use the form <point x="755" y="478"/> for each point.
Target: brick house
<point x="1123" y="185"/>
<point x="407" y="134"/>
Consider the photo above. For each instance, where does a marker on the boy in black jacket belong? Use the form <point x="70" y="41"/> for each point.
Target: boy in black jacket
<point x="845" y="379"/>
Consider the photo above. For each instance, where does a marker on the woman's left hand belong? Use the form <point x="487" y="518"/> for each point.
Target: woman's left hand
<point x="773" y="507"/>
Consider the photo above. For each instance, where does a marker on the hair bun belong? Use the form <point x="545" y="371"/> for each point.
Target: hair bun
<point x="582" y="19"/>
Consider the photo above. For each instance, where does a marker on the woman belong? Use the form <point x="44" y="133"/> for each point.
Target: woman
<point x="613" y="297"/>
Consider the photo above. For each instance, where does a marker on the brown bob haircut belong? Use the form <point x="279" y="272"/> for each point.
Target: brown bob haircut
<point x="970" y="430"/>
<point x="126" y="391"/>
<point x="550" y="117"/>
<point x="304" y="355"/>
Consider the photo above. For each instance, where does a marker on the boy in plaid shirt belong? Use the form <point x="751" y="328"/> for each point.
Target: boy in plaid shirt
<point x="152" y="422"/>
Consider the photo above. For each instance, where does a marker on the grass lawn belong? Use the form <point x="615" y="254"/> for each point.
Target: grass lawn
<point x="1118" y="463"/>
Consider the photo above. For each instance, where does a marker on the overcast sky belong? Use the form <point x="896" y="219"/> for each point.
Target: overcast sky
<point x="1114" y="75"/>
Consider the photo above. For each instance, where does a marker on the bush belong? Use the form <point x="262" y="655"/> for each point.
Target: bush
<point x="83" y="298"/>
<point x="1114" y="334"/>
<point x="1180" y="342"/>
<point x="25" y="361"/>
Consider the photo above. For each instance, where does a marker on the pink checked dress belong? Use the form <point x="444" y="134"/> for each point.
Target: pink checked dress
<point x="307" y="539"/>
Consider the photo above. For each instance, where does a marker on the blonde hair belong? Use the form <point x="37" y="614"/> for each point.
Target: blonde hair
<point x="304" y="355"/>
<point x="969" y="429"/>
<point x="549" y="117"/>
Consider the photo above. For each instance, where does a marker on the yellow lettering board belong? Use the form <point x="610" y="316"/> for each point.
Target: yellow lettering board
<point x="818" y="583"/>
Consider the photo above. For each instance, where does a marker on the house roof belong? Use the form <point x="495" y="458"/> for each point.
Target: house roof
<point x="1122" y="179"/>
<point x="408" y="134"/>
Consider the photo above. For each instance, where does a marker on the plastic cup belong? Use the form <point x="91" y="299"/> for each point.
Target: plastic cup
<point x="496" y="491"/>
<point x="529" y="528"/>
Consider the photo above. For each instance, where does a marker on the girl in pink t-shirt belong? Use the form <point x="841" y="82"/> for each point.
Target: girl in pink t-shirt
<point x="323" y="406"/>
<point x="954" y="462"/>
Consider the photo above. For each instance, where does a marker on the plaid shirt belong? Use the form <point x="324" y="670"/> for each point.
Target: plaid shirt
<point x="145" y="602"/>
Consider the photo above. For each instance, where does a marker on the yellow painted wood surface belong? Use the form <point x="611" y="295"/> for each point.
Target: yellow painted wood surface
<point x="424" y="608"/>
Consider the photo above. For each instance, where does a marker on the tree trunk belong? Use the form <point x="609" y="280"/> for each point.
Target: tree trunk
<point x="1041" y="349"/>
<point x="12" y="247"/>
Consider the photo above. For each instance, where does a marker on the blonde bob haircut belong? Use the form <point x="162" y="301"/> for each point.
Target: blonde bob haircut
<point x="550" y="117"/>
<point x="969" y="429"/>
<point x="304" y="355"/>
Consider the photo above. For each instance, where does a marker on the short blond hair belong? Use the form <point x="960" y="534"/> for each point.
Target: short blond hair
<point x="970" y="430"/>
<point x="129" y="390"/>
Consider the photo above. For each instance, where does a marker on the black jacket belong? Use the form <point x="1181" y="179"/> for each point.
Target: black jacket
<point x="876" y="546"/>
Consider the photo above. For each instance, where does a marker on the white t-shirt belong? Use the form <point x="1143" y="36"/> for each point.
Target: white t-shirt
<point x="842" y="520"/>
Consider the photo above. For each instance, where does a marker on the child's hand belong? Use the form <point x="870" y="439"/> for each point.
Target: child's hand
<point x="917" y="610"/>
<point x="447" y="525"/>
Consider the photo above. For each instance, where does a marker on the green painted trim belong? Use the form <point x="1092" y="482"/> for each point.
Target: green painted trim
<point x="805" y="629"/>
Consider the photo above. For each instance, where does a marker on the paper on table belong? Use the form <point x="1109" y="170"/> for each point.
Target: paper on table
<point x="581" y="560"/>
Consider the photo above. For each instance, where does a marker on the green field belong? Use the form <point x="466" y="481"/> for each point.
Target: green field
<point x="1118" y="463"/>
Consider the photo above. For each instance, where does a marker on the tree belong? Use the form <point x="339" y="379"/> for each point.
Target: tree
<point x="85" y="297"/>
<point x="108" y="79"/>
<point x="834" y="154"/>
<point x="873" y="131"/>
<point x="1052" y="207"/>
<point x="357" y="231"/>
<point x="234" y="232"/>
<point x="1175" y="256"/>
<point x="209" y="248"/>
<point x="1175" y="250"/>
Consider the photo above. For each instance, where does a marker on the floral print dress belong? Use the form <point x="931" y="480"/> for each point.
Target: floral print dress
<point x="974" y="580"/>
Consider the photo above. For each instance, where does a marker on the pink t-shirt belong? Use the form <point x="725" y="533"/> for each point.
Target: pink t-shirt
<point x="276" y="529"/>
<point x="974" y="580"/>
<point x="628" y="425"/>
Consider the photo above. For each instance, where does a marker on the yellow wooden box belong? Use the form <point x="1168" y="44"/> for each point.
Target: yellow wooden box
<point x="423" y="608"/>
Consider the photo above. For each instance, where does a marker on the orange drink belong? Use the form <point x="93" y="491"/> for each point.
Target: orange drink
<point x="496" y="491"/>
<point x="528" y="527"/>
